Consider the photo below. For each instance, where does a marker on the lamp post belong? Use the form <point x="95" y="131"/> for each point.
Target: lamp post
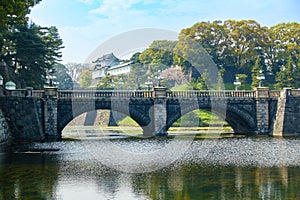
<point x="159" y="78"/>
<point x="121" y="83"/>
<point x="148" y="83"/>
<point x="2" y="65"/>
<point x="237" y="83"/>
<point x="50" y="80"/>
<point x="112" y="83"/>
<point x="1" y="80"/>
<point x="260" y="77"/>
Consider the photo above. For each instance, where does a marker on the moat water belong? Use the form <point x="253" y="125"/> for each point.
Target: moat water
<point x="135" y="168"/>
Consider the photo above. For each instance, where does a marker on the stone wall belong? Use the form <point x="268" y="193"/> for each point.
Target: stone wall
<point x="24" y="117"/>
<point x="287" y="119"/>
<point x="4" y="131"/>
<point x="291" y="123"/>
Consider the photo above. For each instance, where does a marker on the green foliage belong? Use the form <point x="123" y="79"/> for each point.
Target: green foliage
<point x="15" y="10"/>
<point x="186" y="86"/>
<point x="30" y="50"/>
<point x="288" y="76"/>
<point x="85" y="78"/>
<point x="198" y="84"/>
<point x="149" y="64"/>
<point x="62" y="78"/>
<point x="242" y="79"/>
<point x="128" y="121"/>
<point x="255" y="73"/>
<point x="110" y="82"/>
<point x="237" y="45"/>
<point x="211" y="54"/>
<point x="37" y="49"/>
<point x="197" y="118"/>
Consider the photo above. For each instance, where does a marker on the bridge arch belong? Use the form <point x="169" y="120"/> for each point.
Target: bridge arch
<point x="240" y="120"/>
<point x="67" y="111"/>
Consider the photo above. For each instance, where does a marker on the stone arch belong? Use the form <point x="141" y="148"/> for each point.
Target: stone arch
<point x="238" y="119"/>
<point x="66" y="112"/>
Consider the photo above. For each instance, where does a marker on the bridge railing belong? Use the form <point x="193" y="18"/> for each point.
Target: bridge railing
<point x="274" y="93"/>
<point x="295" y="93"/>
<point x="149" y="94"/>
<point x="104" y="93"/>
<point x="38" y="93"/>
<point x="211" y="93"/>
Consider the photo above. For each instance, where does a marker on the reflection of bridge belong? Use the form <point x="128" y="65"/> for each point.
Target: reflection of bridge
<point x="45" y="113"/>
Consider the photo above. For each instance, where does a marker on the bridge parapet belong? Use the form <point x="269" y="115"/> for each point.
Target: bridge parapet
<point x="274" y="93"/>
<point x="295" y="93"/>
<point x="104" y="93"/>
<point x="212" y="93"/>
<point x="148" y="94"/>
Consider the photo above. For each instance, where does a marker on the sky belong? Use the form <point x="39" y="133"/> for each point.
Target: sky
<point x="84" y="25"/>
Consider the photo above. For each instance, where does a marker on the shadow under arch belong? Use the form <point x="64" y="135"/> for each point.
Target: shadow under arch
<point x="239" y="120"/>
<point x="67" y="112"/>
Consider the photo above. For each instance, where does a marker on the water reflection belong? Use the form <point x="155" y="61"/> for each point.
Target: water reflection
<point x="71" y="173"/>
<point x="28" y="176"/>
<point x="219" y="183"/>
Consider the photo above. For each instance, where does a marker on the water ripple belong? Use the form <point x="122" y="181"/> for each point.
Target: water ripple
<point x="253" y="151"/>
<point x="260" y="152"/>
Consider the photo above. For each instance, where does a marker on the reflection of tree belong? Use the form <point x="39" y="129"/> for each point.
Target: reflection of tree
<point x="108" y="182"/>
<point x="23" y="179"/>
<point x="207" y="182"/>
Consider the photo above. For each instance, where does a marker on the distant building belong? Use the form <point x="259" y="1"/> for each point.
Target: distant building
<point x="109" y="64"/>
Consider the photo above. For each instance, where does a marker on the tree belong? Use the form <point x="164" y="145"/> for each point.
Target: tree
<point x="37" y="49"/>
<point x="255" y="73"/>
<point x="174" y="76"/>
<point x="286" y="43"/>
<point x="202" y="82"/>
<point x="12" y="13"/>
<point x="286" y="77"/>
<point x="232" y="45"/>
<point x="85" y="78"/>
<point x="107" y="83"/>
<point x="29" y="49"/>
<point x="211" y="36"/>
<point x="62" y="77"/>
<point x="74" y="70"/>
<point x="242" y="79"/>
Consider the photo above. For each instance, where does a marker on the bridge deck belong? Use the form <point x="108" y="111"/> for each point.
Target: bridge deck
<point x="151" y="94"/>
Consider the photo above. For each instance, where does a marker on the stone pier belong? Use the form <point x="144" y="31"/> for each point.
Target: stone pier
<point x="262" y="110"/>
<point x="50" y="113"/>
<point x="160" y="113"/>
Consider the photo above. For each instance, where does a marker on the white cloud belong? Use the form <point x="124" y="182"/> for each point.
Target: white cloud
<point x="88" y="2"/>
<point x="109" y="7"/>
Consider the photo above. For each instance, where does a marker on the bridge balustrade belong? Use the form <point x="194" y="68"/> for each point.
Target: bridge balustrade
<point x="38" y="93"/>
<point x="151" y="94"/>
<point x="274" y="93"/>
<point x="295" y="93"/>
<point x="104" y="93"/>
<point x="211" y="93"/>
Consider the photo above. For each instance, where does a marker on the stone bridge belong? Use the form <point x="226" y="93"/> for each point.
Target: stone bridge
<point x="33" y="114"/>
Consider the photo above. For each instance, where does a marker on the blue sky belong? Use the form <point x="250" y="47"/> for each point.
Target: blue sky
<point x="85" y="24"/>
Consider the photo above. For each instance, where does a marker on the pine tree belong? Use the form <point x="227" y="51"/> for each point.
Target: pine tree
<point x="286" y="77"/>
<point x="255" y="73"/>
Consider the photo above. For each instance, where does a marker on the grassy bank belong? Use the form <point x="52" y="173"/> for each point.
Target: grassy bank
<point x="196" y="118"/>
